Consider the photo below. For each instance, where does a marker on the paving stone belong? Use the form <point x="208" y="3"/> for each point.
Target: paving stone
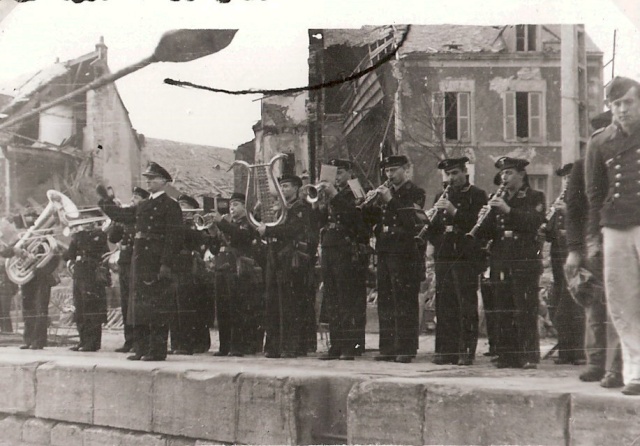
<point x="64" y="392"/>
<point x="135" y="439"/>
<point x="20" y="396"/>
<point x="604" y="419"/>
<point x="11" y="428"/>
<point x="65" y="434"/>
<point x="37" y="431"/>
<point x="103" y="436"/>
<point x="178" y="441"/>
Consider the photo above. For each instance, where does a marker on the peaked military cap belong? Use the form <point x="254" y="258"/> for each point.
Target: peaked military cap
<point x="341" y="164"/>
<point x="507" y="162"/>
<point x="619" y="86"/>
<point x="140" y="192"/>
<point x="564" y="170"/>
<point x="394" y="161"/>
<point x="288" y="178"/>
<point x="450" y="163"/>
<point x="156" y="170"/>
<point x="189" y="200"/>
<point x="238" y="196"/>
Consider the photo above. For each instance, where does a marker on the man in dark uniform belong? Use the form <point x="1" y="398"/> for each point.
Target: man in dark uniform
<point x="400" y="265"/>
<point x="235" y="281"/>
<point x="601" y="342"/>
<point x="568" y="316"/>
<point x="157" y="242"/>
<point x="343" y="261"/>
<point x="457" y="265"/>
<point x="90" y="279"/>
<point x="287" y="273"/>
<point x="613" y="187"/>
<point x="516" y="264"/>
<point x="124" y="236"/>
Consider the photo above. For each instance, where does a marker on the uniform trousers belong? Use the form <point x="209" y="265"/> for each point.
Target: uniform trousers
<point x="35" y="310"/>
<point x="621" y="249"/>
<point x="456" y="309"/>
<point x="341" y="297"/>
<point x="124" y="277"/>
<point x="491" y="314"/>
<point x="184" y="321"/>
<point x="90" y="335"/>
<point x="398" y="307"/>
<point x="231" y="298"/>
<point x="151" y="340"/>
<point x="516" y="292"/>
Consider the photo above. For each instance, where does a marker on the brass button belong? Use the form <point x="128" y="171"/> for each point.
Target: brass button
<point x="616" y="195"/>
<point x="618" y="175"/>
<point x="617" y="166"/>
<point x="617" y="185"/>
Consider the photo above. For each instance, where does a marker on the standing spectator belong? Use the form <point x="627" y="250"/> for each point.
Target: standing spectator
<point x="612" y="184"/>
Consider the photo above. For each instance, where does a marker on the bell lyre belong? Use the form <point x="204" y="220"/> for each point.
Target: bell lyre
<point x="272" y="209"/>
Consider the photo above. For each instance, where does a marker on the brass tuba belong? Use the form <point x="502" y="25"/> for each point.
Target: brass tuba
<point x="273" y="210"/>
<point x="39" y="240"/>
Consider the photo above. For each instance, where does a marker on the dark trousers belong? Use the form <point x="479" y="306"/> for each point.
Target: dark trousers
<point x="35" y="311"/>
<point x="398" y="287"/>
<point x="456" y="309"/>
<point x="151" y="340"/>
<point x="125" y="279"/>
<point x="183" y="326"/>
<point x="490" y="314"/>
<point x="90" y="335"/>
<point x="339" y="275"/>
<point x="204" y="318"/>
<point x="231" y="298"/>
<point x="309" y="335"/>
<point x="286" y="288"/>
<point x="6" y="297"/>
<point x="516" y="293"/>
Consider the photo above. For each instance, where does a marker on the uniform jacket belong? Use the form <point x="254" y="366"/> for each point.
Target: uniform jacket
<point x="612" y="172"/>
<point x="294" y="231"/>
<point x="239" y="235"/>
<point x="123" y="234"/>
<point x="577" y="208"/>
<point x="515" y="235"/>
<point x="395" y="223"/>
<point x="341" y="221"/>
<point x="447" y="233"/>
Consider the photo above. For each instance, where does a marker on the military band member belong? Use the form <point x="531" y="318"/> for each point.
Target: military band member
<point x="342" y="261"/>
<point x="90" y="277"/>
<point x="287" y="274"/>
<point x="235" y="284"/>
<point x="457" y="265"/>
<point x="612" y="184"/>
<point x="568" y="316"/>
<point x="516" y="264"/>
<point x="400" y="265"/>
<point x="124" y="236"/>
<point x="157" y="242"/>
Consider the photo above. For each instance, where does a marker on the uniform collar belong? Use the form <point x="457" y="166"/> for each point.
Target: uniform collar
<point x="155" y="195"/>
<point x="396" y="188"/>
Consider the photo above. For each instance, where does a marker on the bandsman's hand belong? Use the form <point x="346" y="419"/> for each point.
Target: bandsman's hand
<point x="574" y="260"/>
<point x="594" y="247"/>
<point x="329" y="189"/>
<point x="500" y="204"/>
<point x="216" y="216"/>
<point x="19" y="252"/>
<point x="165" y="272"/>
<point x="385" y="193"/>
<point x="446" y="205"/>
<point x="560" y="205"/>
<point x="262" y="229"/>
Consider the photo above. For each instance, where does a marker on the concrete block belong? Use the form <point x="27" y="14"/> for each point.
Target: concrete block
<point x="65" y="434"/>
<point x="604" y="419"/>
<point x="37" y="431"/>
<point x="196" y="404"/>
<point x="123" y="396"/>
<point x="179" y="441"/>
<point x="64" y="392"/>
<point x="132" y="439"/>
<point x="386" y="411"/>
<point x="267" y="409"/>
<point x="11" y="428"/>
<point x="103" y="436"/>
<point x="20" y="396"/>
<point x="458" y="414"/>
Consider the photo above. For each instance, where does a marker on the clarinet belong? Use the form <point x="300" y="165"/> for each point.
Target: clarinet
<point x="552" y="210"/>
<point x="485" y="212"/>
<point x="431" y="217"/>
<point x="372" y="195"/>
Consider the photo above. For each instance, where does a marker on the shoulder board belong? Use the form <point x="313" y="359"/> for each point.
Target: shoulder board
<point x="597" y="132"/>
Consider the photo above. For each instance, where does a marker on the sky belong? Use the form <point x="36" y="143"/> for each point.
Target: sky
<point x="268" y="52"/>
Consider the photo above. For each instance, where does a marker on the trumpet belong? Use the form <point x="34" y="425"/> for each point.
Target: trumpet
<point x="485" y="212"/>
<point x="313" y="191"/>
<point x="431" y="215"/>
<point x="203" y="221"/>
<point x="372" y="195"/>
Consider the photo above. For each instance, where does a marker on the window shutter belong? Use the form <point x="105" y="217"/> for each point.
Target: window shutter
<point x="437" y="115"/>
<point x="464" y="117"/>
<point x="510" y="116"/>
<point x="535" y="119"/>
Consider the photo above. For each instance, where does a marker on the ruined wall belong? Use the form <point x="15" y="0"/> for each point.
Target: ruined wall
<point x="487" y="129"/>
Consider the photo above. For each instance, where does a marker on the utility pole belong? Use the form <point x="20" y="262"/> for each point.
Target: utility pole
<point x="573" y="72"/>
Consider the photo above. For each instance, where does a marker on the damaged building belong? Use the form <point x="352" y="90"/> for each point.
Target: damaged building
<point x="70" y="147"/>
<point x="478" y="91"/>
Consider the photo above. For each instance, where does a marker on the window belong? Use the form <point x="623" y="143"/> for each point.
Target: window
<point x="523" y="116"/>
<point x="526" y="37"/>
<point x="538" y="182"/>
<point x="454" y="110"/>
